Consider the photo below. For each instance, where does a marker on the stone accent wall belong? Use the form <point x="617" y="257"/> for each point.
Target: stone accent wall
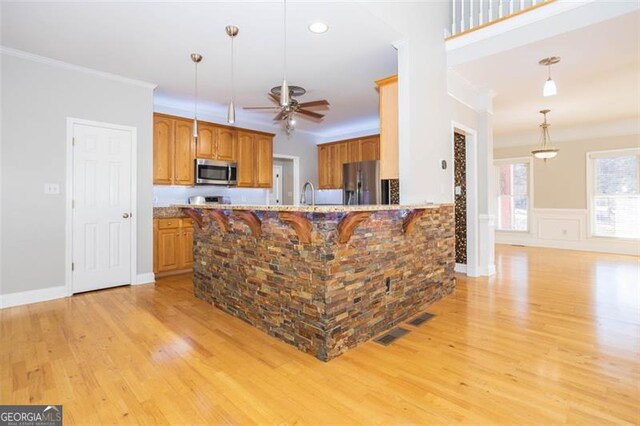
<point x="460" y="176"/>
<point x="324" y="297"/>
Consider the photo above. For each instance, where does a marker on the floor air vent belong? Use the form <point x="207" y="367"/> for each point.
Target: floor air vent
<point x="391" y="336"/>
<point x="421" y="319"/>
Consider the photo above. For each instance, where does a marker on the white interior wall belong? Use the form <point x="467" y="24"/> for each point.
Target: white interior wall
<point x="37" y="98"/>
<point x="424" y="119"/>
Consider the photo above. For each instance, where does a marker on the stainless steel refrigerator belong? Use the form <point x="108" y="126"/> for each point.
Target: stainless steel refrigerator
<point x="361" y="183"/>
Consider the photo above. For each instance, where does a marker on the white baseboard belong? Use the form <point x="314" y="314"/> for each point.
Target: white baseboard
<point x="33" y="296"/>
<point x="460" y="268"/>
<point x="147" y="278"/>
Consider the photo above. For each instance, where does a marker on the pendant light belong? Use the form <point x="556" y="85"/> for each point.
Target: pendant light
<point x="285" y="99"/>
<point x="196" y="58"/>
<point x="550" y="88"/>
<point x="232" y="32"/>
<point x="546" y="151"/>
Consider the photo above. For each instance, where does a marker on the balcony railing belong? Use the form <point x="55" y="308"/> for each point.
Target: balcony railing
<point x="471" y="15"/>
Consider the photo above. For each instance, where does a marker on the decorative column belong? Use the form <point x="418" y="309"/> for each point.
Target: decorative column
<point x="486" y="185"/>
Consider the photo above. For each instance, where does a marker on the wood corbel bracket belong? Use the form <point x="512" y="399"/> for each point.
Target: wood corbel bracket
<point x="410" y="220"/>
<point x="252" y="220"/>
<point x="221" y="219"/>
<point x="348" y="225"/>
<point x="299" y="223"/>
<point x="196" y="215"/>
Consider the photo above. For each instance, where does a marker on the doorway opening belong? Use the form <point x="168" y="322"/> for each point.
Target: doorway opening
<point x="285" y="189"/>
<point x="465" y="185"/>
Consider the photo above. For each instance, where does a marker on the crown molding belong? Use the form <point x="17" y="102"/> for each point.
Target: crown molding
<point x="60" y="64"/>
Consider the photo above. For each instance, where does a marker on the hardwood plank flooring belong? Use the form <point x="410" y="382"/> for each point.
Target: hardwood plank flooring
<point x="553" y="338"/>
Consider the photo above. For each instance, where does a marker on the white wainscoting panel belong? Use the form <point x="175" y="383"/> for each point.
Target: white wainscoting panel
<point x="565" y="229"/>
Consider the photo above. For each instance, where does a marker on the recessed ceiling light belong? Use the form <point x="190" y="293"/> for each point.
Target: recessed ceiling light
<point x="318" y="27"/>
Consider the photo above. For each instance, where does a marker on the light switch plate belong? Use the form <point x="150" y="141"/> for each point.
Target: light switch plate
<point x="51" y="188"/>
<point x="458" y="190"/>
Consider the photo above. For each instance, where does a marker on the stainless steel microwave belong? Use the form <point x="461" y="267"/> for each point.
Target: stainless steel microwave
<point x="210" y="172"/>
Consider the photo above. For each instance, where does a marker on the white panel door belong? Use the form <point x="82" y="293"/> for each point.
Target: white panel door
<point x="101" y="207"/>
<point x="275" y="195"/>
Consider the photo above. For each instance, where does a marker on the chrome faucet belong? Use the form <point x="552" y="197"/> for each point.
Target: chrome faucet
<point x="303" y="197"/>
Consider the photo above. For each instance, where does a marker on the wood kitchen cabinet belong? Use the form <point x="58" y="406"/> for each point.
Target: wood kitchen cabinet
<point x="331" y="157"/>
<point x="163" y="150"/>
<point x="389" y="153"/>
<point x="255" y="160"/>
<point x="173" y="246"/>
<point x="175" y="150"/>
<point x="216" y="142"/>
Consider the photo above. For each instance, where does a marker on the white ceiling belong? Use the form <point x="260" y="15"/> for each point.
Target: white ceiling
<point x="152" y="42"/>
<point x="598" y="78"/>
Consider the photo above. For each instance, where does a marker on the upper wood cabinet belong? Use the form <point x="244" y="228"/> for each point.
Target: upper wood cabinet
<point x="163" y="150"/>
<point x="389" y="163"/>
<point x="331" y="157"/>
<point x="184" y="153"/>
<point x="216" y="142"/>
<point x="369" y="148"/>
<point x="263" y="147"/>
<point x="255" y="160"/>
<point x="175" y="150"/>
<point x="226" y="146"/>
<point x="206" y="142"/>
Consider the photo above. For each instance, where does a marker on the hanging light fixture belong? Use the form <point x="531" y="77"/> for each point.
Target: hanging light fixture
<point x="232" y="32"/>
<point x="291" y="123"/>
<point x="196" y="58"/>
<point x="545" y="151"/>
<point x="550" y="88"/>
<point x="285" y="99"/>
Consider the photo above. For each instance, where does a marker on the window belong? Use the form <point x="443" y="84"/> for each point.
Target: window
<point x="513" y="194"/>
<point x="615" y="193"/>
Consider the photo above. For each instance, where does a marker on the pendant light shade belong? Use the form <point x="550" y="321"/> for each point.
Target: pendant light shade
<point x="231" y="113"/>
<point x="546" y="151"/>
<point x="232" y="31"/>
<point x="285" y="98"/>
<point x="549" y="88"/>
<point x="196" y="58"/>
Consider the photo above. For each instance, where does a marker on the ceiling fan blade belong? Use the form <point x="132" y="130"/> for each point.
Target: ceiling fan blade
<point x="310" y="113"/>
<point x="260" y="107"/>
<point x="280" y="116"/>
<point x="274" y="98"/>
<point x="322" y="102"/>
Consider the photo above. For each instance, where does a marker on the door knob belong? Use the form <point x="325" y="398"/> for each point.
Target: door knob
<point x="125" y="215"/>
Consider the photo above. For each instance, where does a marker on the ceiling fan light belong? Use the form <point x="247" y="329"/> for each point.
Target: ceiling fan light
<point x="231" y="113"/>
<point x="550" y="88"/>
<point x="285" y="99"/>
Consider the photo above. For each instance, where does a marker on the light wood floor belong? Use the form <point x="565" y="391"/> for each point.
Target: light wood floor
<point x="554" y="337"/>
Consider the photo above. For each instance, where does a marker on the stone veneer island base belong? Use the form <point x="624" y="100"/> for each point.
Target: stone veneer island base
<point x="323" y="279"/>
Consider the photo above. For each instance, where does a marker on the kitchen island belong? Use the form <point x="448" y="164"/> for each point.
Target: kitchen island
<point x="323" y="278"/>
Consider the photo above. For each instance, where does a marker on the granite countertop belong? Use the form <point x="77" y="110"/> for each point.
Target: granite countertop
<point x="167" y="212"/>
<point x="311" y="209"/>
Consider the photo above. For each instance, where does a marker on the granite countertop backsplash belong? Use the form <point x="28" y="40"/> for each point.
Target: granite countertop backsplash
<point x="164" y="212"/>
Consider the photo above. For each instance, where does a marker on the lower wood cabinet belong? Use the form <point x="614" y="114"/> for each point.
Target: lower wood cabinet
<point x="173" y="246"/>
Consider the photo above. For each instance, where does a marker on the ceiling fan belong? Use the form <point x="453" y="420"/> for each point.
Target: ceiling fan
<point x="294" y="107"/>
